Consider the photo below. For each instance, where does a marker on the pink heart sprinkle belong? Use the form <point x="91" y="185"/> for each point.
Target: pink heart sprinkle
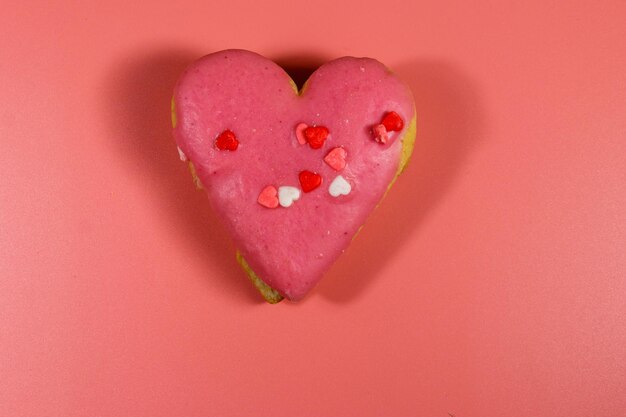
<point x="268" y="197"/>
<point x="300" y="133"/>
<point x="336" y="158"/>
<point x="380" y="134"/>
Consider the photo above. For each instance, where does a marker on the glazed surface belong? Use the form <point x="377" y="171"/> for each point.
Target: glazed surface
<point x="289" y="248"/>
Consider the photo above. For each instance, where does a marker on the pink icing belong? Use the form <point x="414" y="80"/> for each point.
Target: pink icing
<point x="289" y="248"/>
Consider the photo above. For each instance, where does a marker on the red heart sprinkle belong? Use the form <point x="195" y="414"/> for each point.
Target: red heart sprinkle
<point x="393" y="122"/>
<point x="309" y="181"/>
<point x="268" y="197"/>
<point x="316" y="136"/>
<point x="227" y="141"/>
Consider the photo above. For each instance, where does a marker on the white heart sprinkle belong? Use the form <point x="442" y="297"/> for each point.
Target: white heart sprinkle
<point x="339" y="186"/>
<point x="287" y="195"/>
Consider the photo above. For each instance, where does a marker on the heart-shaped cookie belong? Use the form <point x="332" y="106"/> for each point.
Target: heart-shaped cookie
<point x="255" y="141"/>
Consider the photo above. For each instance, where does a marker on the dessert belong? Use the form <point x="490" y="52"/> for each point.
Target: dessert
<point x="293" y="174"/>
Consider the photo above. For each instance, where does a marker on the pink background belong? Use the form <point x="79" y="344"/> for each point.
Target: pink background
<point x="491" y="281"/>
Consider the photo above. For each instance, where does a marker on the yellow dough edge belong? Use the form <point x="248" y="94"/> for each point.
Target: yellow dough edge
<point x="269" y="294"/>
<point x="174" y="117"/>
<point x="194" y="175"/>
